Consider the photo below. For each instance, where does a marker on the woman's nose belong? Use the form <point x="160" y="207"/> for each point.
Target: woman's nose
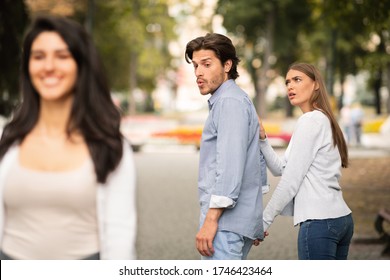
<point x="49" y="63"/>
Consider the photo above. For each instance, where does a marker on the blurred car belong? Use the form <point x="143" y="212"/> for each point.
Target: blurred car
<point x="191" y="135"/>
<point x="140" y="128"/>
<point x="185" y="135"/>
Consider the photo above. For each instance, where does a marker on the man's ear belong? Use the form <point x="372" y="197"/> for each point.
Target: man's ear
<point x="228" y="65"/>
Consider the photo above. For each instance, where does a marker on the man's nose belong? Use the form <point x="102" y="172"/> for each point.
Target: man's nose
<point x="198" y="71"/>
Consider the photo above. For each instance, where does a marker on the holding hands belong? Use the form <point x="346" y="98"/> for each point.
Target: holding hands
<point x="256" y="242"/>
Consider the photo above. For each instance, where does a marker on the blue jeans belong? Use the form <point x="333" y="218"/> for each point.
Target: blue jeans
<point x="230" y="246"/>
<point x="327" y="239"/>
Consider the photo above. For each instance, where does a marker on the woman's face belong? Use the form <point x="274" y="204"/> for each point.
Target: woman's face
<point x="300" y="87"/>
<point x="52" y="68"/>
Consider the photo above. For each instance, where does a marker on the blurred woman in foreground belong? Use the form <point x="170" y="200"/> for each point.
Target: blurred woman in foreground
<point x="67" y="180"/>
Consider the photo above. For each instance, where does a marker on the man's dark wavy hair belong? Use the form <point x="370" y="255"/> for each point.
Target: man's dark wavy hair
<point x="221" y="45"/>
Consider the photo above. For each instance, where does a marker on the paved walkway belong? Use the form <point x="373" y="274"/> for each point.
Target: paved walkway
<point x="168" y="207"/>
<point x="367" y="187"/>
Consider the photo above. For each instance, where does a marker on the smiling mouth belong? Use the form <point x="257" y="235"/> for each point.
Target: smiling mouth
<point x="50" y="81"/>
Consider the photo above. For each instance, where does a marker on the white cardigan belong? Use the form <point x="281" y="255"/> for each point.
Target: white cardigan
<point x="310" y="170"/>
<point x="116" y="206"/>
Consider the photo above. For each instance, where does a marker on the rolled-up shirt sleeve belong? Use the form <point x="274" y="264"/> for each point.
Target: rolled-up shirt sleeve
<point x="218" y="201"/>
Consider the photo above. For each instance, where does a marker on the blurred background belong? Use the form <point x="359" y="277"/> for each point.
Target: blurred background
<point x="142" y="45"/>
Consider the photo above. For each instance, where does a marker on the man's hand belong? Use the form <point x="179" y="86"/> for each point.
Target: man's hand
<point x="257" y="242"/>
<point x="205" y="236"/>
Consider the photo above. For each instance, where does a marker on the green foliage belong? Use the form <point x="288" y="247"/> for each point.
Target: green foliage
<point x="340" y="37"/>
<point x="248" y="19"/>
<point x="269" y="33"/>
<point x="125" y="30"/>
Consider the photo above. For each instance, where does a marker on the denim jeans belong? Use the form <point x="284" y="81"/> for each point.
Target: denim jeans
<point x="230" y="246"/>
<point x="327" y="239"/>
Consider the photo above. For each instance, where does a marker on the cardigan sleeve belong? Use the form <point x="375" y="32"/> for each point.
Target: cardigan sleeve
<point x="275" y="163"/>
<point x="5" y="163"/>
<point x="118" y="218"/>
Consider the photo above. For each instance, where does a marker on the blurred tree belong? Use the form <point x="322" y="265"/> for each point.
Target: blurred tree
<point x="340" y="37"/>
<point x="348" y="46"/>
<point x="332" y="43"/>
<point x="133" y="38"/>
<point x="268" y="33"/>
<point x="13" y="20"/>
<point x="66" y="8"/>
<point x="377" y="45"/>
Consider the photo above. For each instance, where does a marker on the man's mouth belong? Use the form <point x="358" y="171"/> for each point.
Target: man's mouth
<point x="200" y="83"/>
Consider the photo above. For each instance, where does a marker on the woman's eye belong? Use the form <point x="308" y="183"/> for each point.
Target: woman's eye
<point x="297" y="79"/>
<point x="37" y="56"/>
<point x="63" y="56"/>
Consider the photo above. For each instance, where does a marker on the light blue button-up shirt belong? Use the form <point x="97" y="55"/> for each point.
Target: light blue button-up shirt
<point x="232" y="170"/>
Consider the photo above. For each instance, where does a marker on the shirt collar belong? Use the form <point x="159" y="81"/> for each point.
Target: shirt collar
<point x="214" y="97"/>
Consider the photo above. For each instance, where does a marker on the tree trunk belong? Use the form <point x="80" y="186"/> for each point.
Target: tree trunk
<point x="388" y="88"/>
<point x="132" y="83"/>
<point x="331" y="63"/>
<point x="377" y="87"/>
<point x="289" y="108"/>
<point x="133" y="68"/>
<point x="263" y="80"/>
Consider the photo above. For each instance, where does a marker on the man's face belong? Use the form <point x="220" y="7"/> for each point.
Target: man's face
<point x="209" y="71"/>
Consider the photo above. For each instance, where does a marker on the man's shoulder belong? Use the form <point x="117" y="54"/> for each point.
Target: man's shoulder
<point x="234" y="91"/>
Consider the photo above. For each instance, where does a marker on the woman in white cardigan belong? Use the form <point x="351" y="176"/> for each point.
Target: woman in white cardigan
<point x="67" y="176"/>
<point x="310" y="170"/>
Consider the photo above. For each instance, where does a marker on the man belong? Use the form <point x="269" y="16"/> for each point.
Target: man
<point x="232" y="170"/>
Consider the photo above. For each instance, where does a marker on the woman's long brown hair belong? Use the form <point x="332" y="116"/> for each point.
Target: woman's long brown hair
<point x="319" y="100"/>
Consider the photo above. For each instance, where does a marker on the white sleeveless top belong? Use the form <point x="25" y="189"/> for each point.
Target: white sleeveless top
<point x="50" y="215"/>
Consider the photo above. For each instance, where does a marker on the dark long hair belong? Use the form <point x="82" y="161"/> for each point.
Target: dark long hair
<point x="319" y="100"/>
<point x="93" y="112"/>
<point x="221" y="45"/>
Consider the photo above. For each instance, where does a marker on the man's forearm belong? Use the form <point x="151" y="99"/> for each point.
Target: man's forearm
<point x="214" y="214"/>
